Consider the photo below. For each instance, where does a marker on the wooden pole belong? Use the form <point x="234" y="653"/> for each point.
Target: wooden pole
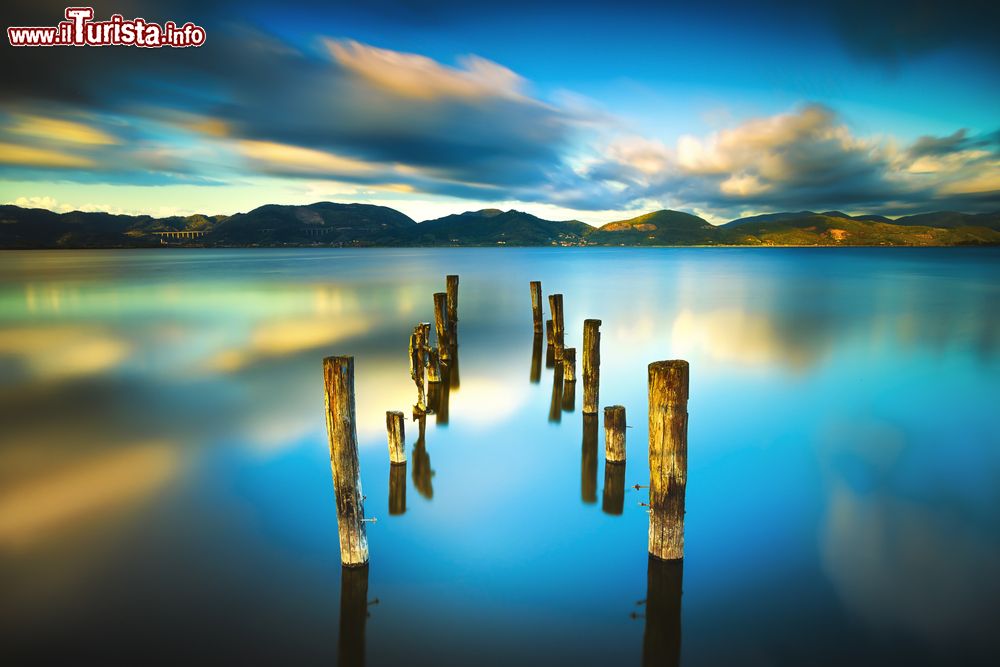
<point x="614" y="488"/>
<point x="588" y="460"/>
<point x="668" y="418"/>
<point x="397" y="489"/>
<point x="433" y="367"/>
<point x="569" y="364"/>
<point x="591" y="365"/>
<point x="614" y="433"/>
<point x="558" y="326"/>
<point x="418" y="351"/>
<point x="452" y="291"/>
<point x="536" y="304"/>
<point x="338" y="380"/>
<point x="353" y="616"/>
<point x="441" y="323"/>
<point x="394" y="429"/>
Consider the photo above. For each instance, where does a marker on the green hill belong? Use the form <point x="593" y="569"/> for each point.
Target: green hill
<point x="658" y="228"/>
<point x="493" y="227"/>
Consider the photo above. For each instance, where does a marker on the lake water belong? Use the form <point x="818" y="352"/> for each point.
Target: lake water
<point x="165" y="489"/>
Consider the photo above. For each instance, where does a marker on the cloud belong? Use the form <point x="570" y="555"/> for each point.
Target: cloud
<point x="31" y="156"/>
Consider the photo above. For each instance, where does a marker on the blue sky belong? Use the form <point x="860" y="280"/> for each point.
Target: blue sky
<point x="586" y="110"/>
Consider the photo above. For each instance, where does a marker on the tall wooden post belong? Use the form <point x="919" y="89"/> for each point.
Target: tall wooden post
<point x="591" y="365"/>
<point x="338" y="380"/>
<point x="418" y="351"/>
<point x="394" y="430"/>
<point x="452" y="291"/>
<point x="668" y="419"/>
<point x="441" y="323"/>
<point x="433" y="368"/>
<point x="614" y="433"/>
<point x="536" y="304"/>
<point x="558" y="326"/>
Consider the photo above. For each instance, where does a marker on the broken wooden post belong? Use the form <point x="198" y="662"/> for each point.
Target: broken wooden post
<point x="614" y="488"/>
<point x="614" y="433"/>
<point x="397" y="489"/>
<point x="338" y="380"/>
<point x="668" y="396"/>
<point x="418" y="351"/>
<point x="591" y="365"/>
<point x="536" y="304"/>
<point x="394" y="429"/>
<point x="558" y="326"/>
<point x="452" y="291"/>
<point x="569" y="364"/>
<point x="441" y="323"/>
<point x="588" y="460"/>
<point x="433" y="367"/>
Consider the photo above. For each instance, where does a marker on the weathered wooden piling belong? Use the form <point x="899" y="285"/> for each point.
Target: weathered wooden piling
<point x="338" y="380"/>
<point x="397" y="489"/>
<point x="558" y="325"/>
<point x="614" y="433"/>
<point x="433" y="367"/>
<point x="353" y="616"/>
<point x="569" y="364"/>
<point x="591" y="365"/>
<point x="452" y="292"/>
<point x="394" y="429"/>
<point x="536" y="359"/>
<point x="536" y="304"/>
<point x="613" y="501"/>
<point x="668" y="418"/>
<point x="418" y="351"/>
<point x="588" y="460"/>
<point x="441" y="324"/>
<point x="661" y="640"/>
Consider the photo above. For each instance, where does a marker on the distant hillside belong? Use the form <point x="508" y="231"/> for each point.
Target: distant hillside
<point x="658" y="228"/>
<point x="331" y="224"/>
<point x="492" y="227"/>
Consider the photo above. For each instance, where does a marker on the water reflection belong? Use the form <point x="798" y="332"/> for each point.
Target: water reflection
<point x="421" y="460"/>
<point x="397" y="489"/>
<point x="661" y="639"/>
<point x="555" y="406"/>
<point x="353" y="616"/>
<point x="536" y="359"/>
<point x="569" y="396"/>
<point x="588" y="460"/>
<point x="614" y="487"/>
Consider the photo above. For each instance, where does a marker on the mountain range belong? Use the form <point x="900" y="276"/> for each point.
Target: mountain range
<point x="365" y="225"/>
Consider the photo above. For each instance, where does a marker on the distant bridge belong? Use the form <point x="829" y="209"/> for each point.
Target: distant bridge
<point x="179" y="235"/>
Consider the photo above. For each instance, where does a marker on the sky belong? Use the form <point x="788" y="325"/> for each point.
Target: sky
<point x="595" y="111"/>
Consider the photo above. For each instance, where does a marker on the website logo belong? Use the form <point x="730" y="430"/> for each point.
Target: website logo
<point x="79" y="29"/>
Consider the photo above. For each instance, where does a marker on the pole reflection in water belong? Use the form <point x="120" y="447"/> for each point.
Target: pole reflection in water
<point x="588" y="460"/>
<point x="353" y="616"/>
<point x="661" y="641"/>
<point x="422" y="472"/>
<point x="550" y="356"/>
<point x="536" y="359"/>
<point x="555" y="408"/>
<point x="397" y="488"/>
<point x="614" y="487"/>
<point x="569" y="396"/>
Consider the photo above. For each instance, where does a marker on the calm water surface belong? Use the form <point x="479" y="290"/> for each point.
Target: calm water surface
<point x="165" y="490"/>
